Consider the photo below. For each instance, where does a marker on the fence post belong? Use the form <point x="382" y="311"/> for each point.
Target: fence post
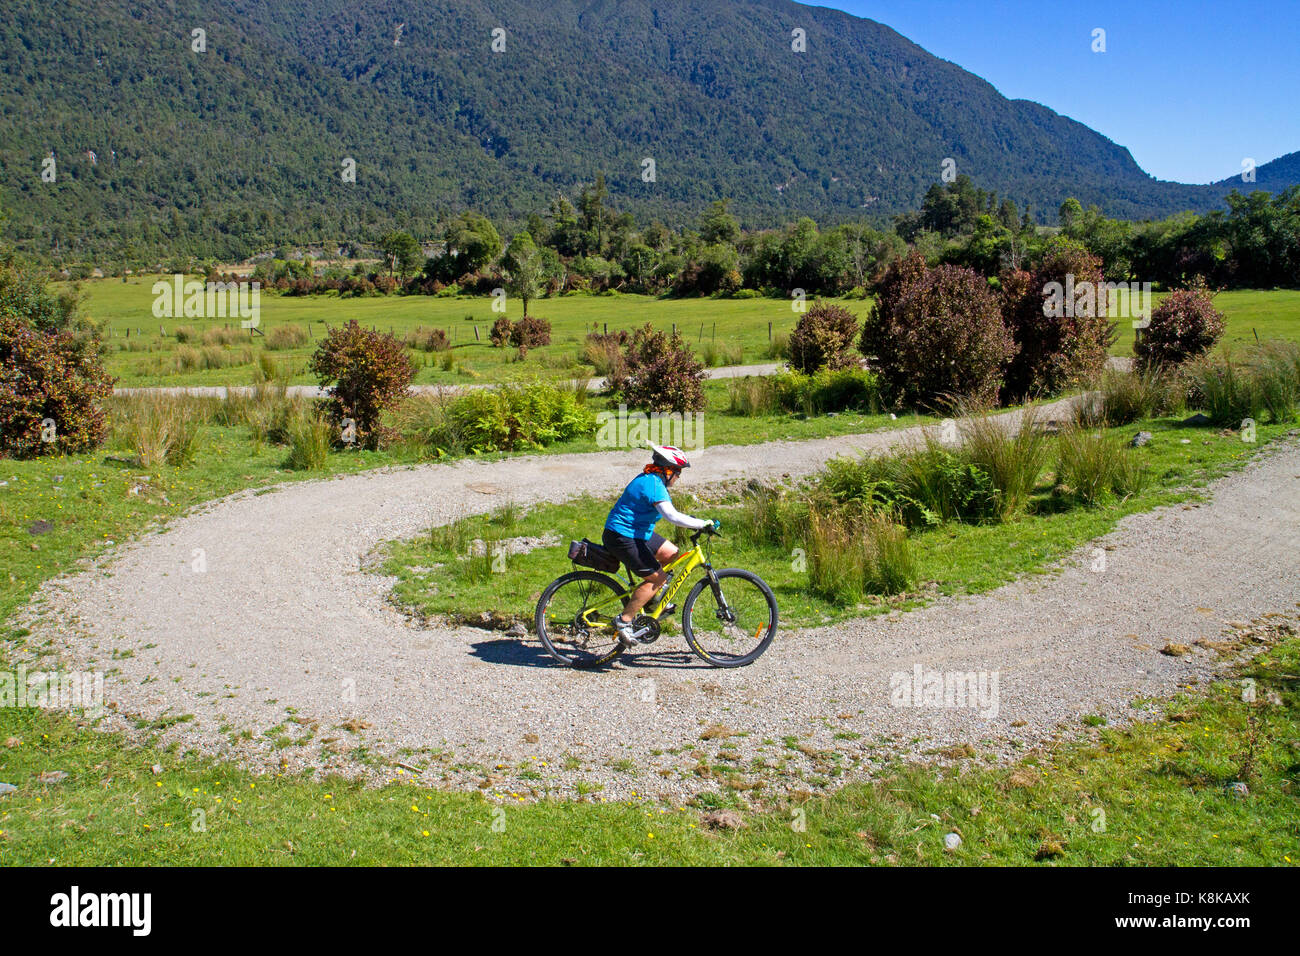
<point x="769" y="331"/>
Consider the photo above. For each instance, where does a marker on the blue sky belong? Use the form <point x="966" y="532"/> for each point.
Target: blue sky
<point x="1191" y="88"/>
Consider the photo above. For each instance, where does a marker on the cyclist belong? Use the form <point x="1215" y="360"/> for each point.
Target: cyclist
<point x="630" y="535"/>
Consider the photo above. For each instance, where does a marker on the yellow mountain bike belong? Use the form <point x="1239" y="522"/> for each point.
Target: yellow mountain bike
<point x="729" y="617"/>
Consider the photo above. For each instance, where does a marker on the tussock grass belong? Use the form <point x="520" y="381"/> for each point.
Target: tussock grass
<point x="1094" y="466"/>
<point x="310" y="438"/>
<point x="1013" y="461"/>
<point x="715" y="353"/>
<point x="286" y="337"/>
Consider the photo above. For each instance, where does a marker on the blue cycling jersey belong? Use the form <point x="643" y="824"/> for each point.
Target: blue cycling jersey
<point x="634" y="514"/>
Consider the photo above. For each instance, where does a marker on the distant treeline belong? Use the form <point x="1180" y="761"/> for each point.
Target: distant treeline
<point x="591" y="246"/>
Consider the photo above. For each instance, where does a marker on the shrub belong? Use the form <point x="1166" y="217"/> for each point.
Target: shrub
<point x="935" y="334"/>
<point x="827" y="391"/>
<point x="823" y="338"/>
<point x="1061" y="332"/>
<point x="367" y="372"/>
<point x="659" y="373"/>
<point x="286" y="337"/>
<point x="1183" y="326"/>
<point x="49" y="376"/>
<point x="428" y="340"/>
<point x="509" y="418"/>
<point x="530" y="332"/>
<point x="500" y="334"/>
<point x="186" y="333"/>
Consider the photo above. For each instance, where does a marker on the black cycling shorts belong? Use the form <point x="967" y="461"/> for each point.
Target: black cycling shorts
<point x="638" y="555"/>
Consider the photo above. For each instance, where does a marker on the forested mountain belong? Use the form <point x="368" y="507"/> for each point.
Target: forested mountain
<point x="241" y="146"/>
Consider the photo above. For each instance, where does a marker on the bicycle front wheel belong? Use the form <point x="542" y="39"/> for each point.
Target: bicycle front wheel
<point x="731" y="624"/>
<point x="573" y="618"/>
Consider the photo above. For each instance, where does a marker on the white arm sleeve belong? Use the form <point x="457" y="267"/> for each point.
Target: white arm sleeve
<point x="669" y="513"/>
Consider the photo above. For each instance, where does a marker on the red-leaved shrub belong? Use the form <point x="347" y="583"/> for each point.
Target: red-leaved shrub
<point x="1183" y="326"/>
<point x="52" y="389"/>
<point x="1058" y="318"/>
<point x="500" y="334"/>
<point x="659" y="373"/>
<point x="823" y="338"/>
<point x="936" y="334"/>
<point x="530" y="332"/>
<point x="368" y="370"/>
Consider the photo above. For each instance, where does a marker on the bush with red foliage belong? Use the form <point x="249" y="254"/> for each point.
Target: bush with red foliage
<point x="823" y="338"/>
<point x="659" y="373"/>
<point x="57" y="376"/>
<point x="1058" y="319"/>
<point x="530" y="332"/>
<point x="501" y="332"/>
<point x="367" y="371"/>
<point x="936" y="334"/>
<point x="1183" y="326"/>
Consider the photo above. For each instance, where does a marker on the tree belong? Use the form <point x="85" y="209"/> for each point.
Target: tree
<point x="402" y="252"/>
<point x="717" y="225"/>
<point x="525" y="269"/>
<point x="471" y="242"/>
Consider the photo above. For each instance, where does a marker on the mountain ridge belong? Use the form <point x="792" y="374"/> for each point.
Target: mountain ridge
<point x="242" y="145"/>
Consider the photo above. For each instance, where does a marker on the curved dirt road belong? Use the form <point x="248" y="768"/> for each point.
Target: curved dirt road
<point x="286" y="634"/>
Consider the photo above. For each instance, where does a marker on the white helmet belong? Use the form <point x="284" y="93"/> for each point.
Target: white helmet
<point x="667" y="456"/>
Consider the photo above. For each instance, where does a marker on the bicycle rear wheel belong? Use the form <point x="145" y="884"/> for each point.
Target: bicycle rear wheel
<point x="732" y="626"/>
<point x="569" y="634"/>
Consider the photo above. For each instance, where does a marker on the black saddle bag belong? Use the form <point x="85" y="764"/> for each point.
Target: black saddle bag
<point x="592" y="555"/>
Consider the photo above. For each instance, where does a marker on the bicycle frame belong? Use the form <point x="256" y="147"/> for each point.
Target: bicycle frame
<point x="681" y="567"/>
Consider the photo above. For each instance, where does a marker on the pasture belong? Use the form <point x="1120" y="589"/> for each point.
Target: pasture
<point x="734" y="330"/>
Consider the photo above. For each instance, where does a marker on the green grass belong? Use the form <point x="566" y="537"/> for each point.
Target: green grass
<point x="1154" y="795"/>
<point x="1268" y="313"/>
<point x="741" y="329"/>
<point x="735" y="328"/>
<point x="955" y="558"/>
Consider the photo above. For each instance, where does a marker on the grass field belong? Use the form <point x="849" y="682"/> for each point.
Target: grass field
<point x="148" y="358"/>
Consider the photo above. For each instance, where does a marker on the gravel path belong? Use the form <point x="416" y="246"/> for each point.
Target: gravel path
<point x="285" y="633"/>
<point x="594" y="384"/>
<point x="316" y="391"/>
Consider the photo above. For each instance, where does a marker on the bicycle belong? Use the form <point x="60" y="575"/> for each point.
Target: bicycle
<point x="575" y="614"/>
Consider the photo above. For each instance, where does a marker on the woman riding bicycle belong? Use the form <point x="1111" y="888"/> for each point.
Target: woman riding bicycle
<point x="630" y="535"/>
